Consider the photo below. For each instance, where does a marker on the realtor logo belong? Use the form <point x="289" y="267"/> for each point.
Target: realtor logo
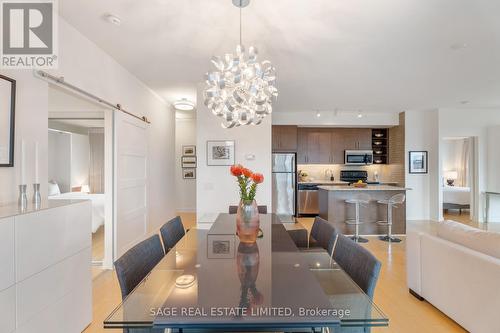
<point x="28" y="34"/>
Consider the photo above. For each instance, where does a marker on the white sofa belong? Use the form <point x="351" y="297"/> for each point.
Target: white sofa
<point x="456" y="268"/>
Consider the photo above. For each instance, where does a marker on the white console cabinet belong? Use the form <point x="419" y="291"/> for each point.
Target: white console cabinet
<point x="46" y="282"/>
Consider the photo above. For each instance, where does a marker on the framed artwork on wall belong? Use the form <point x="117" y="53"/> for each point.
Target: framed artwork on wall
<point x="418" y="161"/>
<point x="220" y="153"/>
<point x="189" y="150"/>
<point x="189" y="173"/>
<point x="7" y="121"/>
<point x="188" y="161"/>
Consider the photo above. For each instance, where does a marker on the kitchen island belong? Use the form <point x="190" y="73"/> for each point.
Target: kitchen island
<point x="333" y="208"/>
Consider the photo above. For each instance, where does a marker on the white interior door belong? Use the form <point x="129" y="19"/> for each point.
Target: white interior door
<point x="131" y="181"/>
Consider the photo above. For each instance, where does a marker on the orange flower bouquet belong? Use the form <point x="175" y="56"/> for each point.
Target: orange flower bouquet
<point x="247" y="216"/>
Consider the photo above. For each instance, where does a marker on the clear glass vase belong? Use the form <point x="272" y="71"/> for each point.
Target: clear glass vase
<point x="247" y="221"/>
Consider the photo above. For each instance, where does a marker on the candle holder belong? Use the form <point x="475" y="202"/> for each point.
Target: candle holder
<point x="37" y="199"/>
<point x="23" y="199"/>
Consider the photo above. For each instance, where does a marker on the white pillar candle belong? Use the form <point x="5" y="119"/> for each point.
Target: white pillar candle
<point x="37" y="180"/>
<point x="23" y="163"/>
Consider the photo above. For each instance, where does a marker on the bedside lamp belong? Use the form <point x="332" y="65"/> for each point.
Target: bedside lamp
<point x="451" y="176"/>
<point x="85" y="189"/>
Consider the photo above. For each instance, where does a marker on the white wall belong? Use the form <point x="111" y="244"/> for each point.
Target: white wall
<point x="85" y="65"/>
<point x="330" y="118"/>
<point x="426" y="130"/>
<point x="59" y="157"/>
<point x="472" y="123"/>
<point x="493" y="167"/>
<point x="185" y="134"/>
<point x="216" y="188"/>
<point x="80" y="154"/>
<point x="422" y="134"/>
<point x="31" y="124"/>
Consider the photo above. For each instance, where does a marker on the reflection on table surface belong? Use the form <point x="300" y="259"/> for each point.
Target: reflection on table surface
<point x="268" y="284"/>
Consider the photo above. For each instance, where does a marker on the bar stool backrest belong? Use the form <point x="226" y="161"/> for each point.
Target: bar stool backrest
<point x="397" y="199"/>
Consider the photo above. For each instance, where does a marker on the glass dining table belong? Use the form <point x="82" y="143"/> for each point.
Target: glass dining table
<point x="212" y="282"/>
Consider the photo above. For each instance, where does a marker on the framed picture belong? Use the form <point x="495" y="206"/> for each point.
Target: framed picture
<point x="7" y="121"/>
<point x="220" y="153"/>
<point x="189" y="173"/>
<point x="188" y="161"/>
<point x="419" y="162"/>
<point x="189" y="150"/>
<point x="221" y="246"/>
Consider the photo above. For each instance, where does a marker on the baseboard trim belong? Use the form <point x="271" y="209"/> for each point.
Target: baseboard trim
<point x="417" y="296"/>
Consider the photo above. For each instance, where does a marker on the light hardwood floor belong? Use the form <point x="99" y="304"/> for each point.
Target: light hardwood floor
<point x="405" y="312"/>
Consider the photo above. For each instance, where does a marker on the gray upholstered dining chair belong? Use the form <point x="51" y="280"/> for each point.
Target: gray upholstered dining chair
<point x="323" y="235"/>
<point x="358" y="263"/>
<point x="171" y="232"/>
<point x="136" y="263"/>
<point x="262" y="209"/>
<point x="134" y="266"/>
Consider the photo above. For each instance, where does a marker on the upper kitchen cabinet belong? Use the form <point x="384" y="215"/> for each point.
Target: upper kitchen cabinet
<point x="284" y="138"/>
<point x="315" y="146"/>
<point x="337" y="146"/>
<point x="356" y="138"/>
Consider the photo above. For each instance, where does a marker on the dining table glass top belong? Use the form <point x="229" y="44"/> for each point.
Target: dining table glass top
<point x="212" y="281"/>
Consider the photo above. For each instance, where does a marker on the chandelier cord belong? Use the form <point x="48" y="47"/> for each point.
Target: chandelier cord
<point x="240" y="24"/>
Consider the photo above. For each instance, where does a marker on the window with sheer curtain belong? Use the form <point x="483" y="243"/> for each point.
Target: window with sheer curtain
<point x="96" y="169"/>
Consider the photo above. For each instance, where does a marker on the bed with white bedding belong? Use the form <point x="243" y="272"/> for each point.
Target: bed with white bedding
<point x="456" y="197"/>
<point x="98" y="204"/>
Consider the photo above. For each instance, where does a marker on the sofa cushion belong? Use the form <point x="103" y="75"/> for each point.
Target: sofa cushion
<point x="486" y="242"/>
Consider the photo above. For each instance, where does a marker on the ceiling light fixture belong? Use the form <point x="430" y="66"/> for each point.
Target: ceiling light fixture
<point x="184" y="105"/>
<point x="318" y="114"/>
<point x="113" y="19"/>
<point x="360" y="114"/>
<point x="241" y="89"/>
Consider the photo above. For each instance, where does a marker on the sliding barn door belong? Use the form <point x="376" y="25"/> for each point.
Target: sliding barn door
<point x="131" y="181"/>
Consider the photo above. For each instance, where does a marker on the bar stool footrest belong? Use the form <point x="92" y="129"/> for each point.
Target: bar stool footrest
<point x="353" y="222"/>
<point x="359" y="239"/>
<point x="389" y="239"/>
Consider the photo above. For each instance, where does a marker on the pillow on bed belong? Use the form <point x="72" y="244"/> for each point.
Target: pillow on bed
<point x="53" y="188"/>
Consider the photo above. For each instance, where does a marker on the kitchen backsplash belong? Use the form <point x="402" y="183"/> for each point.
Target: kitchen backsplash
<point x="317" y="172"/>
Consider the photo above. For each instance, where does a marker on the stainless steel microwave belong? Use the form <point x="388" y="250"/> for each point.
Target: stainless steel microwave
<point x="358" y="157"/>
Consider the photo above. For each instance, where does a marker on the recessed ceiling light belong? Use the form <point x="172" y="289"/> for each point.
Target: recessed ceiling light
<point x="184" y="105"/>
<point x="360" y="114"/>
<point x="318" y="114"/>
<point x="458" y="46"/>
<point x="113" y="19"/>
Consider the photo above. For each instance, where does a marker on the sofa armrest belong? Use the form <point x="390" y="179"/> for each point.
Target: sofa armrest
<point x="413" y="261"/>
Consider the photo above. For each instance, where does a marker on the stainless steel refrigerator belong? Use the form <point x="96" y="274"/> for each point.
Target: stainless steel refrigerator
<point x="284" y="184"/>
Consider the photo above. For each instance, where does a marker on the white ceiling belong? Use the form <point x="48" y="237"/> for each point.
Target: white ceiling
<point x="383" y="55"/>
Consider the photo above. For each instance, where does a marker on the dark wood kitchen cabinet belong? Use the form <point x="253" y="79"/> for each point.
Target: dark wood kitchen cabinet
<point x="357" y="138"/>
<point x="315" y="146"/>
<point x="337" y="146"/>
<point x="284" y="138"/>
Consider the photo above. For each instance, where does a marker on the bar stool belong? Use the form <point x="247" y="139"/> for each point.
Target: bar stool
<point x="359" y="200"/>
<point x="391" y="203"/>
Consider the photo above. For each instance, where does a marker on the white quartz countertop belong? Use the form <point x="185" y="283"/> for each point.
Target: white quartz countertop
<point x="13" y="209"/>
<point x="368" y="188"/>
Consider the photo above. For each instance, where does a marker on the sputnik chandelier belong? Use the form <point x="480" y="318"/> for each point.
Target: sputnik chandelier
<point x="241" y="89"/>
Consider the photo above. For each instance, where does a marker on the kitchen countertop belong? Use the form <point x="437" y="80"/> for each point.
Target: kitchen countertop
<point x="368" y="188"/>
